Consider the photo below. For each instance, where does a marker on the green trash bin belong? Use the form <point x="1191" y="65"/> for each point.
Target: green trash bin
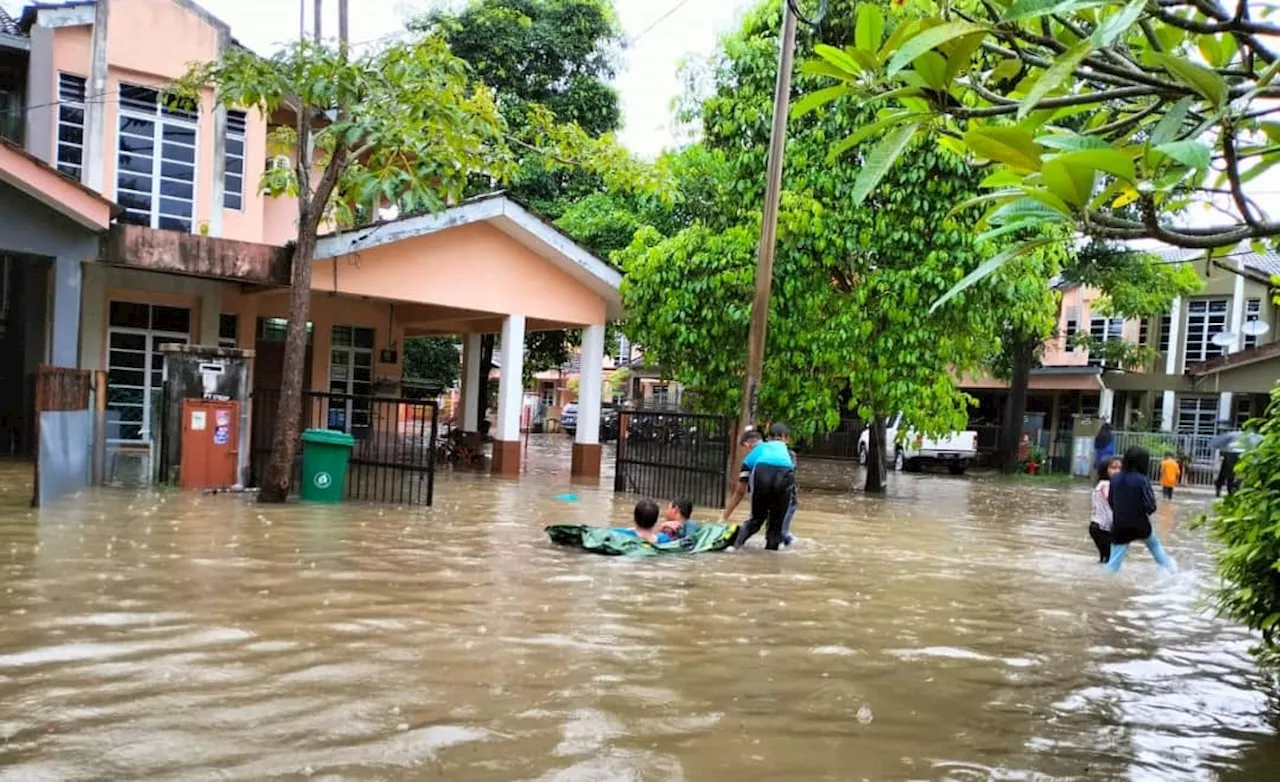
<point x="325" y="454"/>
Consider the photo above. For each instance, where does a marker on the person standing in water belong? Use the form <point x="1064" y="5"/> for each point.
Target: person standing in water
<point x="1132" y="502"/>
<point x="1100" y="512"/>
<point x="1170" y="471"/>
<point x="1104" y="445"/>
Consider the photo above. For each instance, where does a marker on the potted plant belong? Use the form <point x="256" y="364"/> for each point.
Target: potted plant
<point x="1036" y="456"/>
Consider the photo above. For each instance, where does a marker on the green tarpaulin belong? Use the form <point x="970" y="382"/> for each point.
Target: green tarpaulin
<point x="705" y="537"/>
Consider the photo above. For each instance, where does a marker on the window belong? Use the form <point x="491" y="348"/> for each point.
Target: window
<point x="661" y="396"/>
<point x="1197" y="415"/>
<point x="1144" y="331"/>
<point x="233" y="165"/>
<point x="156" y="160"/>
<point x="228" y="328"/>
<point x="1166" y="329"/>
<point x="1242" y="411"/>
<point x="276" y="329"/>
<point x="1252" y="312"/>
<point x="1104" y="330"/>
<point x="549" y="394"/>
<point x="135" y="365"/>
<point x="351" y="375"/>
<point x="1205" y="317"/>
<point x="623" y="357"/>
<point x="1073" y="326"/>
<point x="70" y="124"/>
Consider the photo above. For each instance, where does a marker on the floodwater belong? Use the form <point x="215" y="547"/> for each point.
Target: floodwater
<point x="955" y="630"/>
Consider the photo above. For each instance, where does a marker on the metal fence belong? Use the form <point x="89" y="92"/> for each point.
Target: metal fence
<point x="669" y="455"/>
<point x="394" y="457"/>
<point x="842" y="443"/>
<point x="1199" y="461"/>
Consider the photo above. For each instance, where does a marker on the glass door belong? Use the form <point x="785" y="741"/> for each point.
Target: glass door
<point x="351" y="374"/>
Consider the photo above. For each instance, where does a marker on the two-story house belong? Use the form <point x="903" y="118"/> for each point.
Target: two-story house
<point x="127" y="223"/>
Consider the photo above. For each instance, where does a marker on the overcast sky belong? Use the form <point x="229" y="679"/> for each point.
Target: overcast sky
<point x="667" y="30"/>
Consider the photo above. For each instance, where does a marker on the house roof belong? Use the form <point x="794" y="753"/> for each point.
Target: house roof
<point x="1264" y="264"/>
<point x="1241" y="358"/>
<point x="54" y="189"/>
<point x="8" y="25"/>
<point x="31" y="11"/>
<point x="508" y="216"/>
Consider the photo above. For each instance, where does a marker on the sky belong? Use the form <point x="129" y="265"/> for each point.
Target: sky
<point x="665" y="32"/>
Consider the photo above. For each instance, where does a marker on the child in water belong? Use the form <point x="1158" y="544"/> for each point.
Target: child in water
<point x="677" y="522"/>
<point x="1100" y="514"/>
<point x="1170" y="471"/>
<point x="1132" y="503"/>
<point x="645" y="518"/>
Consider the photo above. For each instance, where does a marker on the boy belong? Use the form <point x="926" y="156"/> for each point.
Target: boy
<point x="768" y="471"/>
<point x="1169" y="473"/>
<point x="645" y="518"/>
<point x="677" y="522"/>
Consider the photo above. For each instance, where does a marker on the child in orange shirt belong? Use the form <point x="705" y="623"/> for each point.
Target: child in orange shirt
<point x="1169" y="474"/>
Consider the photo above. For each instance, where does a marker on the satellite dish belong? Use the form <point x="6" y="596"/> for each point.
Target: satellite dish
<point x="1223" y="339"/>
<point x="1254" y="328"/>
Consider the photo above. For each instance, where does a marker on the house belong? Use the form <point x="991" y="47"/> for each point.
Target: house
<point x="1198" y="378"/>
<point x="127" y="224"/>
<point x="643" y="386"/>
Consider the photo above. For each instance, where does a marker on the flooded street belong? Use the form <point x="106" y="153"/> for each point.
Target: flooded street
<point x="955" y="630"/>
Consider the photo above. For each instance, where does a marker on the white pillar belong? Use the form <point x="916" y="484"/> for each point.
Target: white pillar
<point x="65" y="337"/>
<point x="1224" y="406"/>
<point x="470" y="382"/>
<point x="590" y="380"/>
<point x="1175" y="330"/>
<point x="1237" y="311"/>
<point x="92" y="170"/>
<point x="1106" y="404"/>
<point x="1167" y="412"/>
<point x="511" y="382"/>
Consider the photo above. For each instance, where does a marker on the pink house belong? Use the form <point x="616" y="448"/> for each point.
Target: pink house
<point x="181" y="247"/>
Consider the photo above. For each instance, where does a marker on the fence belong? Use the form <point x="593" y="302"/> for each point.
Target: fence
<point x="667" y="455"/>
<point x="64" y="421"/>
<point x="1199" y="461"/>
<point x="394" y="457"/>
<point x="839" y="444"/>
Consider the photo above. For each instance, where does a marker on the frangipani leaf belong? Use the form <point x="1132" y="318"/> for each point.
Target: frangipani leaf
<point x="1012" y="146"/>
<point x="881" y="160"/>
<point x="989" y="267"/>
<point x="928" y="40"/>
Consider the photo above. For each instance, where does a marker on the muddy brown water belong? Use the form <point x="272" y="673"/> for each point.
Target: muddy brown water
<point x="955" y="630"/>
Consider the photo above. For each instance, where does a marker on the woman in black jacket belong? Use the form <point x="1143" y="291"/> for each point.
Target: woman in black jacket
<point x="1132" y="503"/>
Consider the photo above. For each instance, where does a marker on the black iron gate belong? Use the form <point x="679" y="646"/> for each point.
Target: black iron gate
<point x="667" y="456"/>
<point x="394" y="457"/>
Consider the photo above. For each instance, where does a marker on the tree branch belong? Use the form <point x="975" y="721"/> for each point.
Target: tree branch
<point x="1084" y="99"/>
<point x="1233" y="174"/>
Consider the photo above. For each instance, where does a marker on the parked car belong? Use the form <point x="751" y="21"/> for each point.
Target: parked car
<point x="955" y="450"/>
<point x="608" y="421"/>
<point x="569" y="418"/>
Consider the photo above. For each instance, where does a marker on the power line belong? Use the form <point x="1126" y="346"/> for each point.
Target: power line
<point x="658" y="21"/>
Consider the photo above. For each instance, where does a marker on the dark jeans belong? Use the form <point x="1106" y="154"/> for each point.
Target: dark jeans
<point x="773" y="490"/>
<point x="1101" y="539"/>
<point x="1167" y="491"/>
<point x="1227" y="474"/>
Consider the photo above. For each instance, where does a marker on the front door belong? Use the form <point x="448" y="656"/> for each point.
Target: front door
<point x="210" y="450"/>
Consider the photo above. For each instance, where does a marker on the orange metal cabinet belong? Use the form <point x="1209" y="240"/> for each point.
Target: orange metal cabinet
<point x="209" y="444"/>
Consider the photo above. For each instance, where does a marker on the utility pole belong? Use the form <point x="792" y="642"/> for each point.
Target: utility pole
<point x="769" y="223"/>
<point x="319" y="9"/>
<point x="342" y="26"/>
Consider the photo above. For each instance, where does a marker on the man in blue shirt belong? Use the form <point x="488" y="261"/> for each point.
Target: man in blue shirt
<point x="771" y="470"/>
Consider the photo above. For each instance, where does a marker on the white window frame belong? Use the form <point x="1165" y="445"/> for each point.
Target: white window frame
<point x="66" y="87"/>
<point x="1201" y="313"/>
<point x="148" y="392"/>
<point x="1112" y="330"/>
<point x="234" y="198"/>
<point x="548" y="394"/>
<point x="362" y="404"/>
<point x="1252" y="312"/>
<point x="1205" y="412"/>
<point x="160" y="117"/>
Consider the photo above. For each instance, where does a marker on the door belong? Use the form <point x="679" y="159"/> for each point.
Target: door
<point x="210" y="450"/>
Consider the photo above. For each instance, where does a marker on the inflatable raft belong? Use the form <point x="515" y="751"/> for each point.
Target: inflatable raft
<point x="599" y="540"/>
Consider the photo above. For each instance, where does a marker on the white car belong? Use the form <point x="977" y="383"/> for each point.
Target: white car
<point x="955" y="450"/>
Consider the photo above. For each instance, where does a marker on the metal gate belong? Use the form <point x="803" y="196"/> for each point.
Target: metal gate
<point x="64" y="432"/>
<point x="667" y="456"/>
<point x="394" y="456"/>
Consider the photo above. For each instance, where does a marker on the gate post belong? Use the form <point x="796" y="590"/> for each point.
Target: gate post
<point x="619" y="471"/>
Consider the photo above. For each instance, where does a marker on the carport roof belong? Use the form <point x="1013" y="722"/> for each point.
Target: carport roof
<point x="54" y="189"/>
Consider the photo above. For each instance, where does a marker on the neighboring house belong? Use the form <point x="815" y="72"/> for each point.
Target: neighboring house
<point x="126" y="224"/>
<point x="644" y="386"/>
<point x="1192" y="385"/>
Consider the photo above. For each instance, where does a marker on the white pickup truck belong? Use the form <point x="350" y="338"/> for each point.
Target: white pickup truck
<point x="956" y="450"/>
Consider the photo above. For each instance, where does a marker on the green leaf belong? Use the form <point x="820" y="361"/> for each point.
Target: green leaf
<point x="1031" y="9"/>
<point x="928" y="40"/>
<point x="1012" y="146"/>
<point x="1071" y="182"/>
<point x="959" y="55"/>
<point x="932" y="68"/>
<point x="837" y="57"/>
<point x="1190" y="153"/>
<point x="824" y="68"/>
<point x="999" y="195"/>
<point x="881" y="160"/>
<point x="1271" y="129"/>
<point x="1072" y="142"/>
<point x="989" y="267"/>
<point x="1001" y="178"/>
<point x="1006" y="69"/>
<point x="1170" y="124"/>
<point x="1112" y="161"/>
<point x="1056" y="74"/>
<point x="869" y="30"/>
<point x="1035" y="202"/>
<point x="867" y="131"/>
<point x="1115" y="25"/>
<point x="817" y="98"/>
<point x="1208" y="84"/>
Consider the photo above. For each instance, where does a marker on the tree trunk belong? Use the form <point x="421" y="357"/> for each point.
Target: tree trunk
<point x="875" y="457"/>
<point x="284" y="443"/>
<point x="1016" y="406"/>
<point x="487" y="343"/>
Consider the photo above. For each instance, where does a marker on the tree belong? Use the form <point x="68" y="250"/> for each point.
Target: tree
<point x="1110" y="118"/>
<point x="850" y="323"/>
<point x="432" y="358"/>
<point x="403" y="124"/>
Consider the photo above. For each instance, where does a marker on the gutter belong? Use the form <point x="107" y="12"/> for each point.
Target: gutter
<point x="17" y="42"/>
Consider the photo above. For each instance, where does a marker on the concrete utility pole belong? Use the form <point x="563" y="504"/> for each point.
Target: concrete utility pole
<point x="769" y="224"/>
<point x="319" y="10"/>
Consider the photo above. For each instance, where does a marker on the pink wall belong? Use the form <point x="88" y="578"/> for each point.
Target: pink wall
<point x="1077" y="302"/>
<point x="475" y="267"/>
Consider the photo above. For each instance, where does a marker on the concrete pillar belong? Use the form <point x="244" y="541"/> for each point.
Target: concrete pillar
<point x="93" y="168"/>
<point x="586" y="442"/>
<point x="1171" y="365"/>
<point x="470" y="411"/>
<point x="1128" y="410"/>
<point x="506" y="440"/>
<point x="1237" y="311"/>
<point x="1106" y="404"/>
<point x="1167" y="411"/>
<point x="1225" y="413"/>
<point x="64" y="342"/>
